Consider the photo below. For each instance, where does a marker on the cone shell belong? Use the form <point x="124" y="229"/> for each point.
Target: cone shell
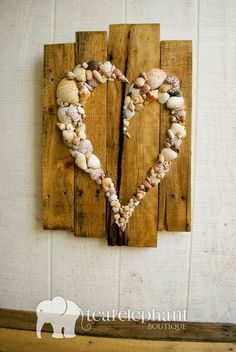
<point x="81" y="161"/>
<point x="80" y="73"/>
<point x="175" y="102"/>
<point x="155" y="78"/>
<point x="85" y="146"/>
<point x="94" y="162"/>
<point x="169" y="154"/>
<point x="67" y="92"/>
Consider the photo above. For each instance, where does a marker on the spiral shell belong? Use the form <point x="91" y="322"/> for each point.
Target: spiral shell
<point x="155" y="78"/>
<point x="67" y="92"/>
<point x="85" y="146"/>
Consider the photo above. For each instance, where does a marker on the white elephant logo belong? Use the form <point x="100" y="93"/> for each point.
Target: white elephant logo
<point x="60" y="313"/>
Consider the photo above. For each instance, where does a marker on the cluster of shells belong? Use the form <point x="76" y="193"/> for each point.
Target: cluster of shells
<point x="72" y="93"/>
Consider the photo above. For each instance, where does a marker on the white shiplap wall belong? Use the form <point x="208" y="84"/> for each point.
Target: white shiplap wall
<point x="194" y="271"/>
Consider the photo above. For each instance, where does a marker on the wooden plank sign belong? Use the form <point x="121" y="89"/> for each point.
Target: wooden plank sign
<point x="71" y="200"/>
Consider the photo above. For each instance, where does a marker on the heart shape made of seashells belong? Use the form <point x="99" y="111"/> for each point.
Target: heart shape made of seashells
<point x="155" y="85"/>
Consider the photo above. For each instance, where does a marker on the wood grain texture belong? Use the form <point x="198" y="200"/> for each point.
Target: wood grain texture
<point x="58" y="165"/>
<point x="175" y="189"/>
<point x="188" y="331"/>
<point x="17" y="341"/>
<point x="141" y="50"/>
<point x="90" y="203"/>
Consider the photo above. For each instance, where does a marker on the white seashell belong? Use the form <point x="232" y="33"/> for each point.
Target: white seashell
<point x="155" y="78"/>
<point x="67" y="92"/>
<point x="68" y="136"/>
<point x="81" y="161"/>
<point x="175" y="102"/>
<point x="94" y="162"/>
<point x="62" y="117"/>
<point x="74" y="153"/>
<point x="80" y="73"/>
<point x="169" y="154"/>
<point x="85" y="146"/>
<point x="178" y="130"/>
<point x="129" y="114"/>
<point x="139" y="82"/>
<point x="163" y="97"/>
<point x="61" y="126"/>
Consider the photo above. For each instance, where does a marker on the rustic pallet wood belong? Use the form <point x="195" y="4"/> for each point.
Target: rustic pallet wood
<point x="138" y="50"/>
<point x="71" y="200"/>
<point x="58" y="165"/>
<point x="175" y="189"/>
<point x="90" y="203"/>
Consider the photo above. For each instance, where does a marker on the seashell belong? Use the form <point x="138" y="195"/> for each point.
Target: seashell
<point x="92" y="83"/>
<point x="133" y="91"/>
<point x="62" y="116"/>
<point x="151" y="96"/>
<point x="85" y="146"/>
<point x="169" y="154"/>
<point x="175" y="84"/>
<point x="129" y="114"/>
<point x="67" y="91"/>
<point x="107" y="68"/>
<point x="84" y="94"/>
<point x="99" y="77"/>
<point x="68" y="136"/>
<point x="61" y="126"/>
<point x="139" y="82"/>
<point x="145" y="89"/>
<point x="175" y="102"/>
<point x="163" y="97"/>
<point x="96" y="174"/>
<point x="177" y="130"/>
<point x="106" y="182"/>
<point x="94" y="162"/>
<point x="80" y="73"/>
<point x="93" y="65"/>
<point x="80" y="161"/>
<point x="89" y="75"/>
<point x="155" y="78"/>
<point x="164" y="88"/>
<point x="137" y="99"/>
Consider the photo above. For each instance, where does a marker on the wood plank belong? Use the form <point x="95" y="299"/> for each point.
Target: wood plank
<point x="58" y="165"/>
<point x="115" y="96"/>
<point x="90" y="202"/>
<point x="14" y="340"/>
<point x="138" y="153"/>
<point x="175" y="189"/>
<point x="214" y="332"/>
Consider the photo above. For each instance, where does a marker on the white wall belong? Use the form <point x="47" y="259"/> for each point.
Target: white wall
<point x="193" y="271"/>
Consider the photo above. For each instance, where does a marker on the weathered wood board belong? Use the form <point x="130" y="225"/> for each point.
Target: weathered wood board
<point x="90" y="202"/>
<point x="71" y="200"/>
<point x="58" y="165"/>
<point x="175" y="189"/>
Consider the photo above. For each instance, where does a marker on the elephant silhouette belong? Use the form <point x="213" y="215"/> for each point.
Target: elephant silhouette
<point x="60" y="313"/>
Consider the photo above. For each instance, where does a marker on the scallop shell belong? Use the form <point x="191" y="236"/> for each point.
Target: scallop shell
<point x="155" y="78"/>
<point x="85" y="146"/>
<point x="139" y="82"/>
<point x="81" y="161"/>
<point x="67" y="92"/>
<point x="178" y="130"/>
<point x="80" y="73"/>
<point x="62" y="115"/>
<point x="163" y="97"/>
<point x="94" y="162"/>
<point x="68" y="136"/>
<point x="169" y="154"/>
<point x="175" y="102"/>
